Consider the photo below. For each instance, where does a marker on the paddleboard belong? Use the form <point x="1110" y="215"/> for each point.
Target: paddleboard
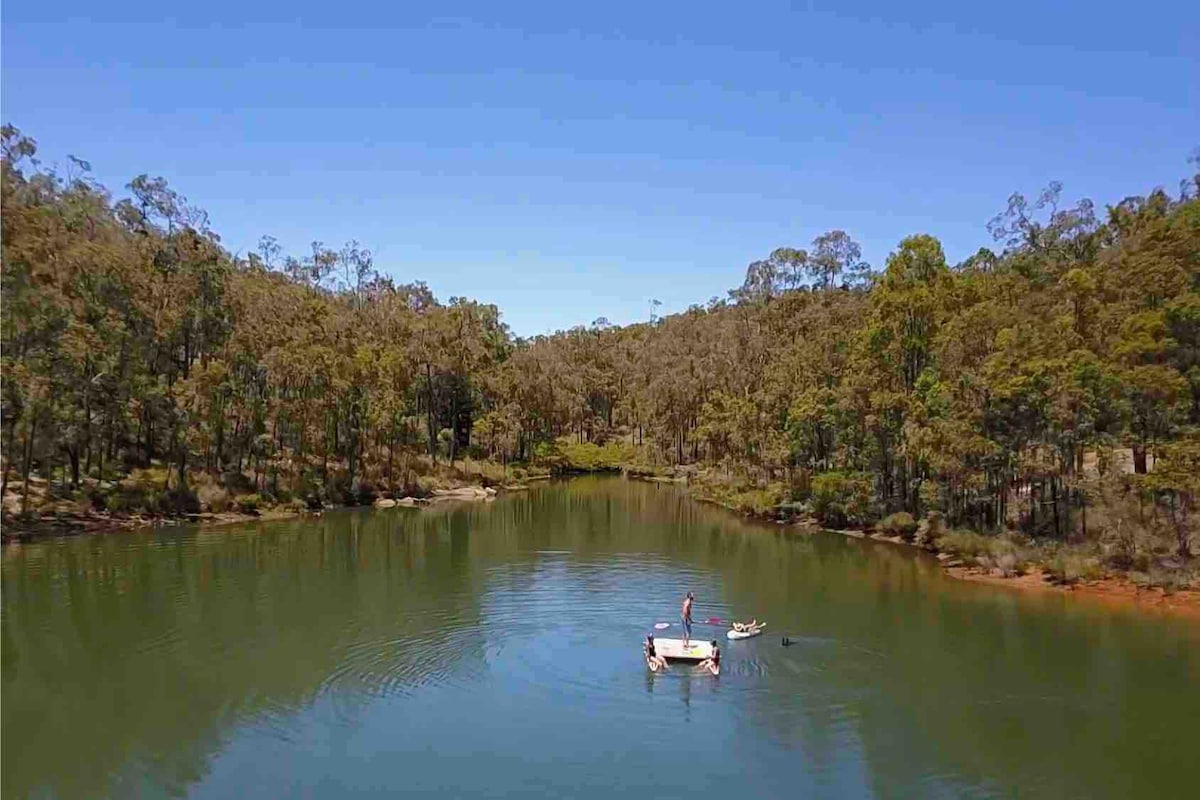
<point x="743" y="634"/>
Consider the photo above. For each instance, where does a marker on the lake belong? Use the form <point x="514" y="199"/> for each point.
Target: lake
<point x="495" y="650"/>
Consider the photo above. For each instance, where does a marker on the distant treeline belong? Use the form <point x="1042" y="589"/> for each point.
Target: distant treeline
<point x="980" y="390"/>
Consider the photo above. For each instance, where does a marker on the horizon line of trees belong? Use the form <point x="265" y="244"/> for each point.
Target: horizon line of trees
<point x="130" y="335"/>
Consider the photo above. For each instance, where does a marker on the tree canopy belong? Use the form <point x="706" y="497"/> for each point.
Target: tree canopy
<point x="131" y="335"/>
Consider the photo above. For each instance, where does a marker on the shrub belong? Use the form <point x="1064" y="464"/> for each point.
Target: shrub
<point x="423" y="486"/>
<point x="841" y="498"/>
<point x="179" y="501"/>
<point x="213" y="498"/>
<point x="147" y="479"/>
<point x="444" y="437"/>
<point x="98" y="499"/>
<point x="899" y="524"/>
<point x="139" y="498"/>
<point x="998" y="552"/>
<point x="486" y="473"/>
<point x="362" y="493"/>
<point x="1067" y="567"/>
<point x="1007" y="563"/>
<point x="237" y="482"/>
<point x="967" y="544"/>
<point x="1171" y="580"/>
<point x="124" y="501"/>
<point x="585" y="457"/>
<point x="337" y="491"/>
<point x="248" y="503"/>
<point x="931" y="530"/>
<point x="298" y="505"/>
<point x="794" y="508"/>
<point x="760" y="502"/>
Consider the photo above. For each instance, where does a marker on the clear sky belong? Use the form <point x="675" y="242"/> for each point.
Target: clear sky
<point x="568" y="161"/>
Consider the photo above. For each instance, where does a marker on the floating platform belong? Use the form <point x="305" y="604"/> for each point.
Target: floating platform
<point x="673" y="649"/>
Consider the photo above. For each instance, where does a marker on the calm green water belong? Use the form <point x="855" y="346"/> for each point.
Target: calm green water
<point x="494" y="650"/>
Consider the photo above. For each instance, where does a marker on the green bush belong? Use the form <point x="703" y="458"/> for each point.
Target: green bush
<point x="794" y="508"/>
<point x="337" y="491"/>
<point x="237" y="482"/>
<point x="124" y="501"/>
<point x="966" y="544"/>
<point x="362" y="493"/>
<point x="1169" y="579"/>
<point x="99" y="499"/>
<point x="760" y="502"/>
<point x="248" y="503"/>
<point x="213" y="498"/>
<point x="1008" y="563"/>
<point x="129" y="498"/>
<point x="423" y="486"/>
<point x="147" y="479"/>
<point x="179" y="501"/>
<point x="485" y="473"/>
<point x="998" y="552"/>
<point x="568" y="456"/>
<point x="931" y="530"/>
<point x="841" y="498"/>
<point x="899" y="524"/>
<point x="1067" y="567"/>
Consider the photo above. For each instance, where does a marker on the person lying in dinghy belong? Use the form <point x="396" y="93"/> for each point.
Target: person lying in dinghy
<point x="754" y="626"/>
<point x="653" y="660"/>
<point x="713" y="662"/>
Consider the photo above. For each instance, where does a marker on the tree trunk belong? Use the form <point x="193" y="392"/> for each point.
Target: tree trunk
<point x="87" y="431"/>
<point x="391" y="458"/>
<point x="104" y="453"/>
<point x="183" y="453"/>
<point x="28" y="463"/>
<point x="73" y="456"/>
<point x="1139" y="459"/>
<point x="1054" y="501"/>
<point x="453" y="427"/>
<point x="1181" y="528"/>
<point x="8" y="455"/>
<point x="429" y="411"/>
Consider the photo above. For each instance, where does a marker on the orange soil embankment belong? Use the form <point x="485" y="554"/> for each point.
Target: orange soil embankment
<point x="1114" y="591"/>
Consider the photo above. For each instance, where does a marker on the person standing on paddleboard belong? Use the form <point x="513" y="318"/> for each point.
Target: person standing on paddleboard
<point x="687" y="618"/>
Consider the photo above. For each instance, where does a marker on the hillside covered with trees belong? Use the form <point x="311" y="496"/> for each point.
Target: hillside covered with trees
<point x="1049" y="386"/>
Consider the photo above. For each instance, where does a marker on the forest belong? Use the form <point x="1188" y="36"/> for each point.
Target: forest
<point x="1046" y="389"/>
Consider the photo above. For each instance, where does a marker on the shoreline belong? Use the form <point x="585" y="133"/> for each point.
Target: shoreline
<point x="1112" y="590"/>
<point x="101" y="523"/>
<point x="1116" y="591"/>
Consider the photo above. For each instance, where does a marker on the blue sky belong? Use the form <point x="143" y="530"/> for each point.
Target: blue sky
<point x="570" y="161"/>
